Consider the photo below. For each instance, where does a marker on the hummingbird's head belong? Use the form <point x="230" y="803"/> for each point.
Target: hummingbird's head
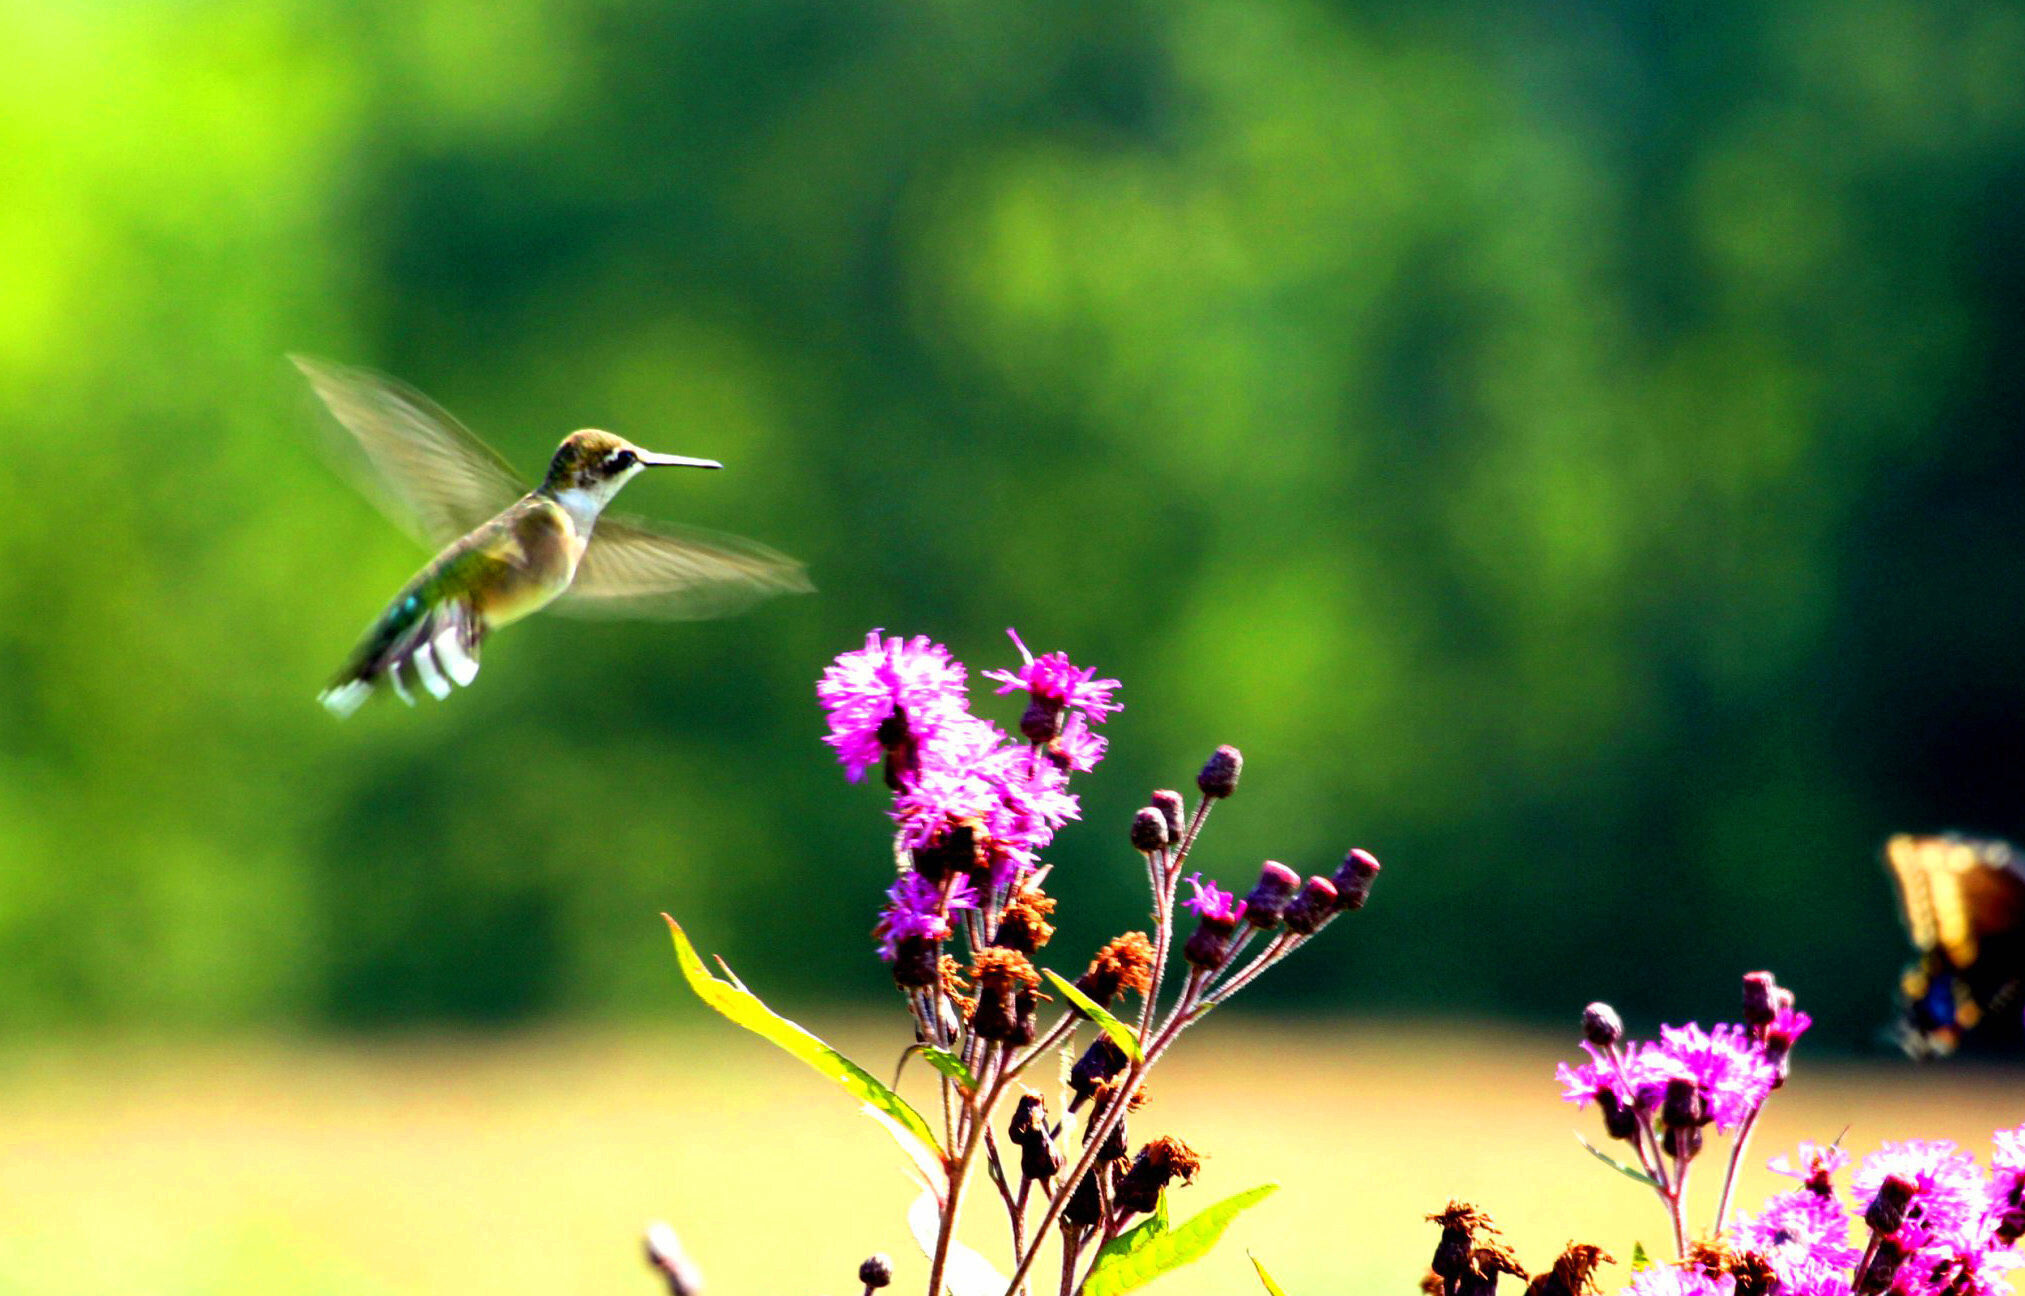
<point x="590" y="466"/>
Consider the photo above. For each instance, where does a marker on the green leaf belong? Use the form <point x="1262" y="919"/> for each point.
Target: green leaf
<point x="733" y="1000"/>
<point x="1120" y="1033"/>
<point x="950" y="1065"/>
<point x="1137" y="1238"/>
<point x="1126" y="1270"/>
<point x="1615" y="1164"/>
<point x="1272" y="1288"/>
<point x="1639" y="1259"/>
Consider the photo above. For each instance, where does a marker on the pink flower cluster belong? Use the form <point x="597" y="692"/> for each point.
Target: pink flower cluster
<point x="902" y="704"/>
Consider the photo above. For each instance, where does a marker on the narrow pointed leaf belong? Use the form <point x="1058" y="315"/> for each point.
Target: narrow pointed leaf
<point x="1615" y="1164"/>
<point x="1120" y="1033"/>
<point x="1170" y="1249"/>
<point x="952" y="1066"/>
<point x="1272" y="1288"/>
<point x="965" y="1272"/>
<point x="1140" y="1236"/>
<point x="1639" y="1259"/>
<point x="734" y="1001"/>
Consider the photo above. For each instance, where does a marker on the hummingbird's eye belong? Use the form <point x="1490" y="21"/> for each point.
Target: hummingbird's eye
<point x="621" y="461"/>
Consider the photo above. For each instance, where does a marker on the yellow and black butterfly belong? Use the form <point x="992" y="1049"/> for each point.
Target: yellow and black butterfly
<point x="1963" y="901"/>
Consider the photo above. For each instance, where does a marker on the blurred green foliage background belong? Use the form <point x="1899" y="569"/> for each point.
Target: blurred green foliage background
<point x="1572" y="449"/>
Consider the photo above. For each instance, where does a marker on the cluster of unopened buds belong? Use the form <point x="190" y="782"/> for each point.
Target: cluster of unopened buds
<point x="967" y="915"/>
<point x="1919" y="1218"/>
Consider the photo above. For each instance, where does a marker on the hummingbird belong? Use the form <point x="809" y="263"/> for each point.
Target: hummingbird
<point x="506" y="551"/>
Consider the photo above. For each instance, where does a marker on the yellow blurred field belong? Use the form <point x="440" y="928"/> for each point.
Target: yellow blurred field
<point x="528" y="1164"/>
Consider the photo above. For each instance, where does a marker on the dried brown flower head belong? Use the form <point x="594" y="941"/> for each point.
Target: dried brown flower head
<point x="1124" y="964"/>
<point x="1024" y="925"/>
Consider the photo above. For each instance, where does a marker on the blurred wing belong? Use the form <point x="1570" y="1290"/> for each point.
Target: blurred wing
<point x="1956" y="892"/>
<point x="1914" y="862"/>
<point x="433" y="476"/>
<point x="633" y="568"/>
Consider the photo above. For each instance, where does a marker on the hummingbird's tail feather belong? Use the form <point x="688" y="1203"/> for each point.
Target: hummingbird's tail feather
<point x="435" y="646"/>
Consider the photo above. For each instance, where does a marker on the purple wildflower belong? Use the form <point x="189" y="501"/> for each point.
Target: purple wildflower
<point x="1078" y="747"/>
<point x="2007" y="1167"/>
<point x="1580" y="1085"/>
<point x="1055" y="685"/>
<point x="1212" y="902"/>
<point x="1731" y="1072"/>
<point x="890" y="698"/>
<point x="1950" y="1194"/>
<point x="1805" y="1235"/>
<point x="975" y="775"/>
<point x="917" y="907"/>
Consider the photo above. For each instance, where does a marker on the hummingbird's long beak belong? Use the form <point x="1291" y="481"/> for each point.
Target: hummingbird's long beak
<point x="653" y="460"/>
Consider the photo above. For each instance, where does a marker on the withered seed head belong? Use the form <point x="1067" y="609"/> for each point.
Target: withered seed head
<point x="1124" y="964"/>
<point x="1005" y="999"/>
<point x="1024" y="925"/>
<point x="1158" y="1164"/>
<point x="1102" y="1060"/>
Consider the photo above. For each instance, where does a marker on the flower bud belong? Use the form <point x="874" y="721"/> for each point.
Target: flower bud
<point x="1102" y="1060"/>
<point x="954" y="850"/>
<point x="1682" y="1142"/>
<point x="1039" y="1157"/>
<point x="917" y="963"/>
<point x="1885" y="1260"/>
<point x="1149" y="831"/>
<point x="1601" y="1025"/>
<point x="1114" y="1145"/>
<point x="1685" y="1106"/>
<point x="1269" y="899"/>
<point x="876" y="1271"/>
<point x="1174" y="810"/>
<point x="1158" y="1164"/>
<point x="1219" y="777"/>
<point x="1041" y="723"/>
<point x="1209" y="944"/>
<point x="1030" y="1115"/>
<point x="1085" y="1207"/>
<point x="1759" y="988"/>
<point x="1218" y="915"/>
<point x="1619" y="1121"/>
<point x="1313" y="907"/>
<point x="1887" y="1209"/>
<point x="1353" y="879"/>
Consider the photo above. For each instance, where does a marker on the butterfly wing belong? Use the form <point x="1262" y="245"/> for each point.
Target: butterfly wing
<point x="1963" y="902"/>
<point x="427" y="471"/>
<point x="633" y="568"/>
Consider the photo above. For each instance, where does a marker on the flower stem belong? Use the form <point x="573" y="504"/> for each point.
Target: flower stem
<point x="1736" y="1160"/>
